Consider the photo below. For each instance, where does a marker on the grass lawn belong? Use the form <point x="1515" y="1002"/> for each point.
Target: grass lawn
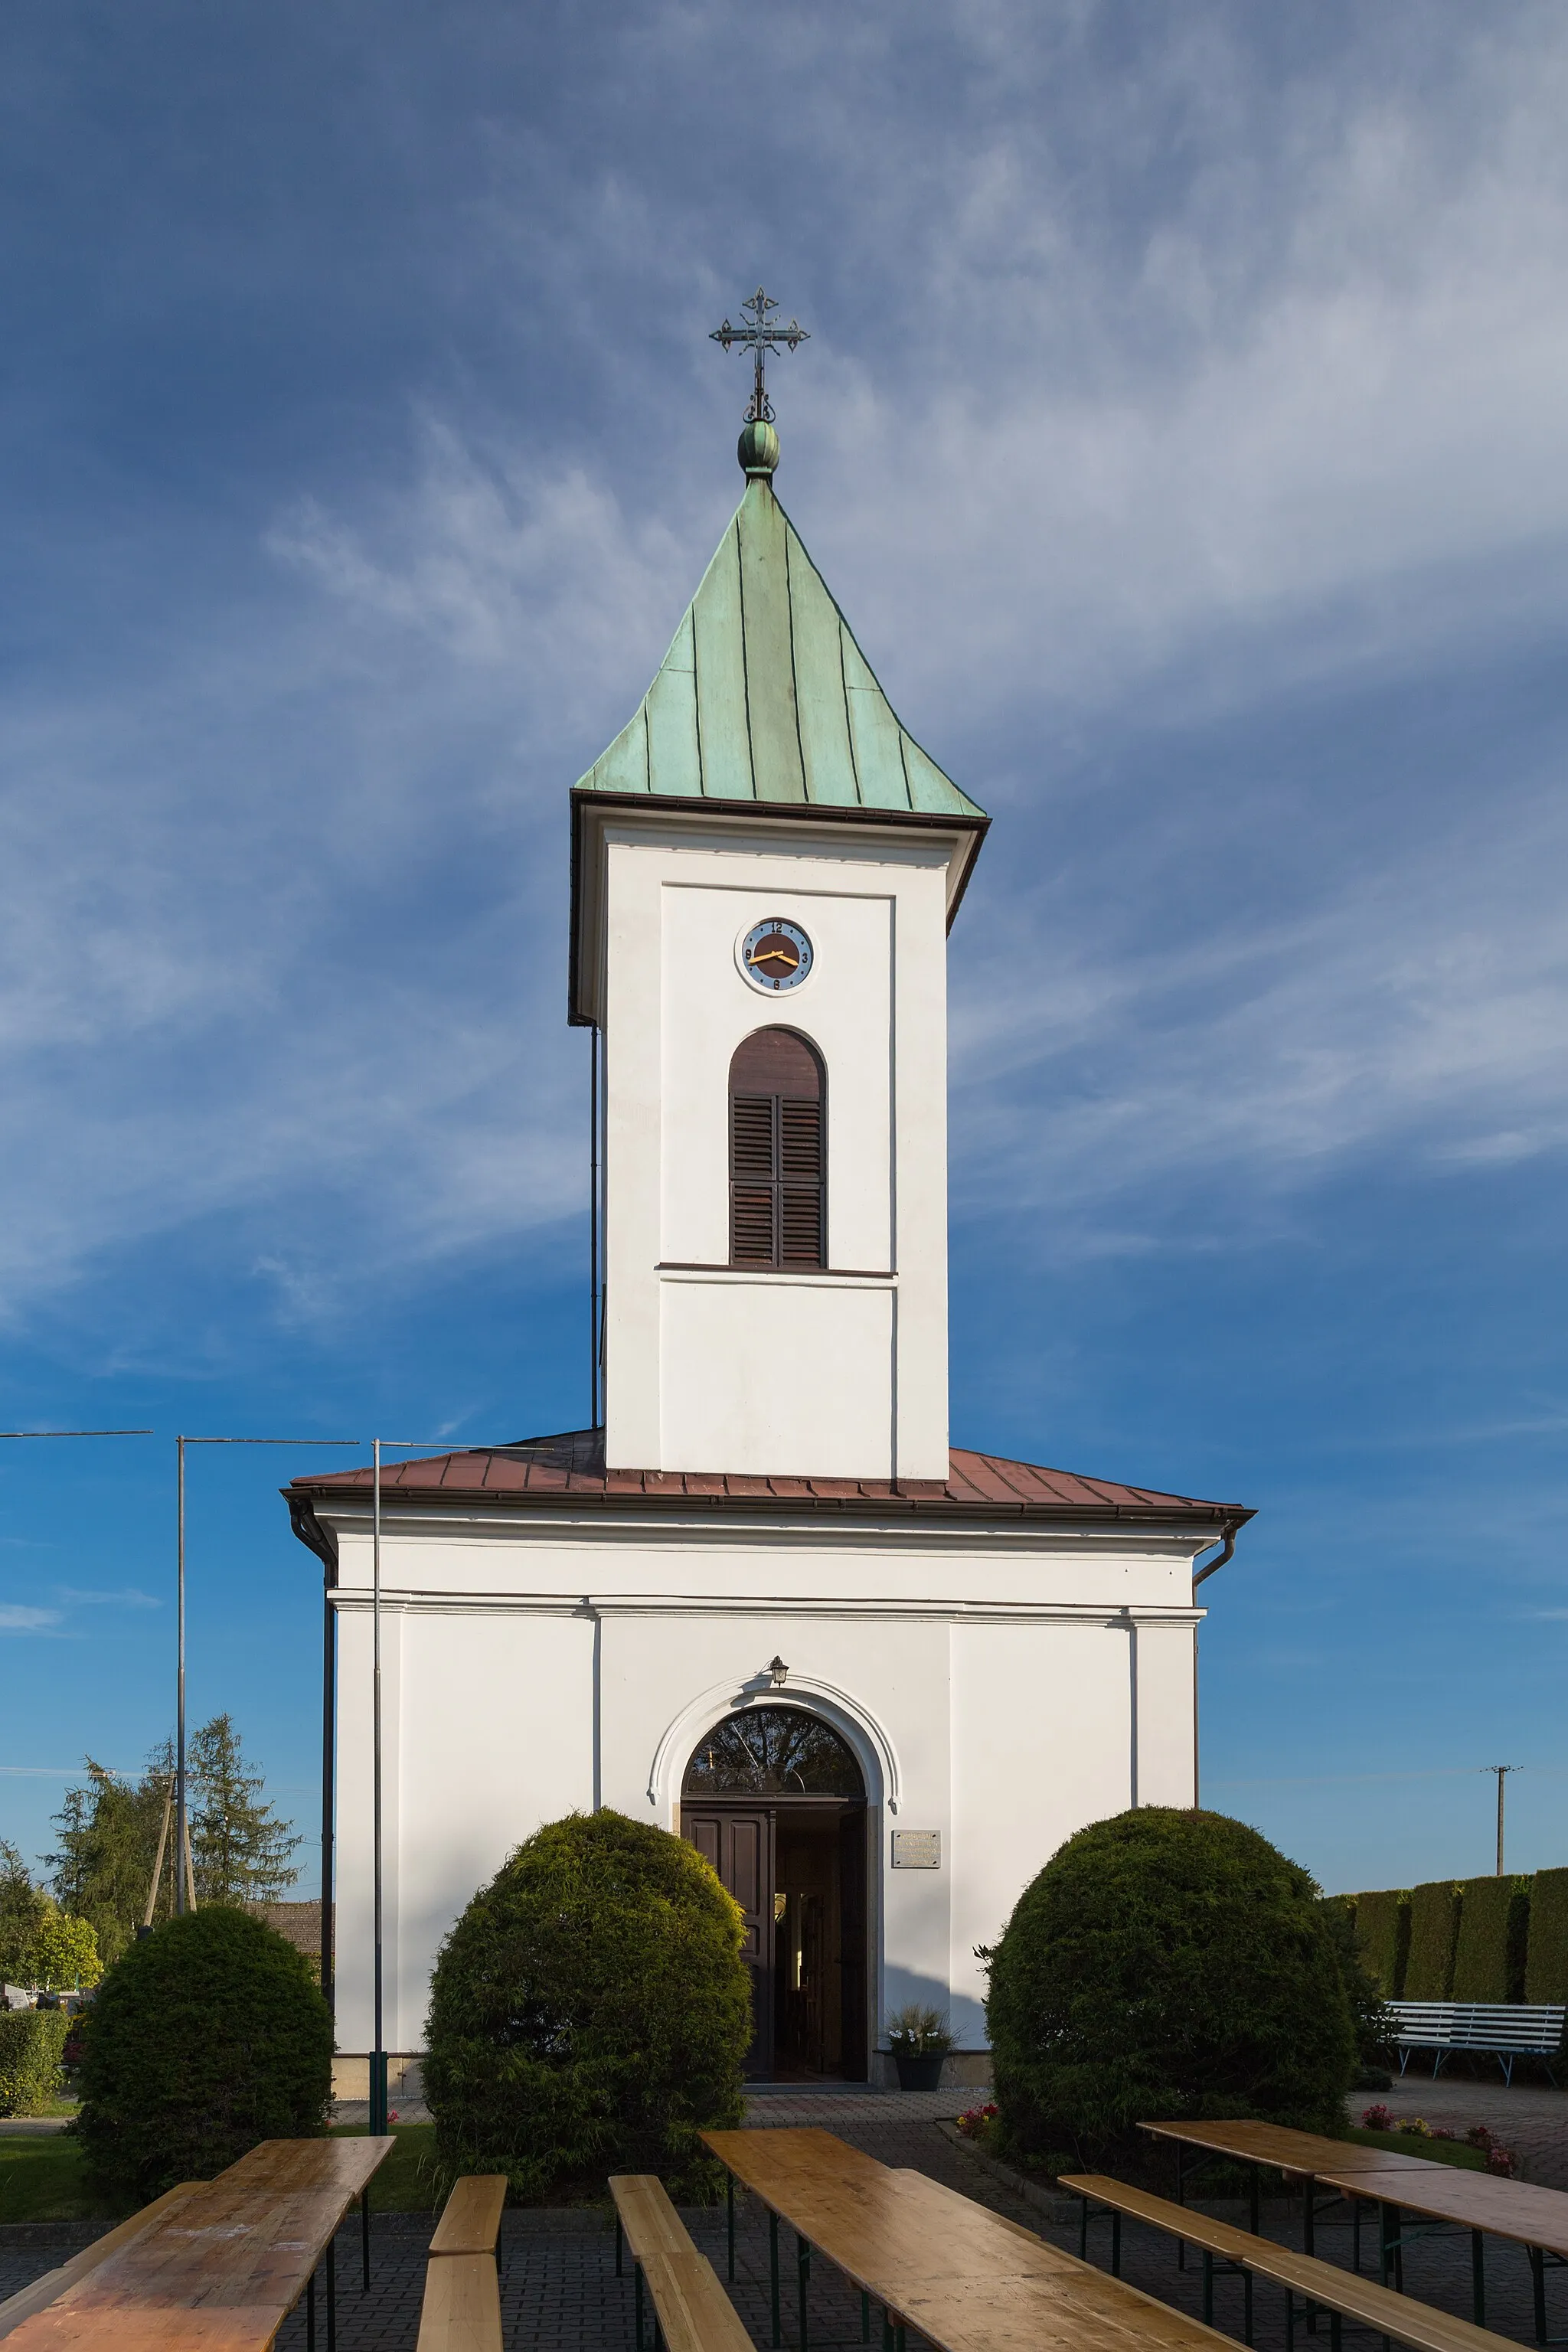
<point x="42" y="2178"/>
<point x="1440" y="2151"/>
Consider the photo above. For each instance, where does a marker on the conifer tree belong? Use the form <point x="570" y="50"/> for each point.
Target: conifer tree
<point x="241" y="1850"/>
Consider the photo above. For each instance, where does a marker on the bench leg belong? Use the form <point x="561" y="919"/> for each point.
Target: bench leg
<point x="1538" y="2280"/>
<point x="1290" y="2321"/>
<point x="1478" y="2276"/>
<point x="1334" y="2324"/>
<point x="864" y="2316"/>
<point x="637" y="2305"/>
<point x="1247" y="2307"/>
<point x="1252" y="2199"/>
<point x="1181" y="2200"/>
<point x="886" y="2329"/>
<point x="1083" y="2229"/>
<point x="777" y="2336"/>
<point x="364" y="2237"/>
<point x="620" y="2247"/>
<point x="803" y="2280"/>
<point x="310" y="2313"/>
<point x="1209" y="2288"/>
<point x="729" y="2218"/>
<point x="332" y="2295"/>
<point x="1355" y="2235"/>
<point x="1116" y="2245"/>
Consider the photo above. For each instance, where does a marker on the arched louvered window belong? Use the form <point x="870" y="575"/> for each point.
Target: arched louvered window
<point x="778" y="1197"/>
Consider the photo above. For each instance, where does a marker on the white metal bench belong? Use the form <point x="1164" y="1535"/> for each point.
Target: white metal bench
<point x="1493" y="2029"/>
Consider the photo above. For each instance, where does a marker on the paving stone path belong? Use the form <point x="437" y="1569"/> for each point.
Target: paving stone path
<point x="559" y="2292"/>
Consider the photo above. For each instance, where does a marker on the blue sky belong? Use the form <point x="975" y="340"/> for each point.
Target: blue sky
<point x="1183" y="430"/>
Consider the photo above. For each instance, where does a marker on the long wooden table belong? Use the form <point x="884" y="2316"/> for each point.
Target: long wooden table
<point x="967" y="2280"/>
<point x="224" y="2263"/>
<point x="1533" y="2217"/>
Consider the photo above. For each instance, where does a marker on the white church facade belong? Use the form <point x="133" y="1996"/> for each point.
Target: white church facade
<point x="764" y="1604"/>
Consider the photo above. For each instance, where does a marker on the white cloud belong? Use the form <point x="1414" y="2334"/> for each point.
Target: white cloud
<point x="1144" y="390"/>
<point x="15" y="1617"/>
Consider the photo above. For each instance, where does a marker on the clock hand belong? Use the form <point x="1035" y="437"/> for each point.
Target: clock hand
<point x="776" y="955"/>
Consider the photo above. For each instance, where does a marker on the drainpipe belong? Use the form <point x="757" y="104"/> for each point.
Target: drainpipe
<point x="1227" y="1552"/>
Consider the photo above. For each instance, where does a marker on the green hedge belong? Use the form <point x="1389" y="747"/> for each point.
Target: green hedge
<point x="1546" y="1956"/>
<point x="1489" y="1957"/>
<point x="1433" y="1926"/>
<point x="1383" y="1939"/>
<point x="31" y="2040"/>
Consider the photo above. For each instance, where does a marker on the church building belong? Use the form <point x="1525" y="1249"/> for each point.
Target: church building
<point x="763" y="1602"/>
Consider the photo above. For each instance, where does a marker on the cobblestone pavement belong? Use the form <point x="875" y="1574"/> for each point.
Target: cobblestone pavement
<point x="559" y="2292"/>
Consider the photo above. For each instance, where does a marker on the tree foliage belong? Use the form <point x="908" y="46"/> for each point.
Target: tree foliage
<point x="23" y="1908"/>
<point x="1164" y="1963"/>
<point x="207" y="2036"/>
<point x="589" y="2013"/>
<point x="110" y="1829"/>
<point x="240" y="1849"/>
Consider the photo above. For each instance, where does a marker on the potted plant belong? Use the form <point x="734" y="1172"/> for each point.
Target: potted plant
<point x="920" y="2040"/>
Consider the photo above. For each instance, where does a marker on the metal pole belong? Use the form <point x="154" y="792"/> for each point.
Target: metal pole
<point x="593" y="1228"/>
<point x="182" y="1832"/>
<point x="329" y="1809"/>
<point x="1502" y="1771"/>
<point x="378" y="2055"/>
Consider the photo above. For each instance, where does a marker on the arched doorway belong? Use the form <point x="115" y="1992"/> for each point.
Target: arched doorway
<point x="775" y="1798"/>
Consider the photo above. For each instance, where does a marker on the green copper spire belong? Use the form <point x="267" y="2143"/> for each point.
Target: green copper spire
<point x="764" y="694"/>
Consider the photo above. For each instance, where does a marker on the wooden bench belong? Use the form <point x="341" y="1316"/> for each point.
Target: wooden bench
<point x="1309" y="2282"/>
<point x="54" y="2283"/>
<point x="461" y="2309"/>
<point x="470" y="2219"/>
<point x="692" y="2311"/>
<point x="1501" y="2030"/>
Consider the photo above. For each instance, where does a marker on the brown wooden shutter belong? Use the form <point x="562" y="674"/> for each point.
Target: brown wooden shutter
<point x="777" y="1176"/>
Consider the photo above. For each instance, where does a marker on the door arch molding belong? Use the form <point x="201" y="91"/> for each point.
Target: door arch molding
<point x="873" y="1750"/>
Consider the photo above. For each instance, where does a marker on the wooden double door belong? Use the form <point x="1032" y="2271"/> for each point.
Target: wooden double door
<point x="798" y="1874"/>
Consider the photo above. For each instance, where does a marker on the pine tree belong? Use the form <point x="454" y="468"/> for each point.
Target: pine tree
<point x="241" y="1850"/>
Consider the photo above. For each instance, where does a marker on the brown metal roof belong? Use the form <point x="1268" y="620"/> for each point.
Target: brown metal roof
<point x="545" y="1469"/>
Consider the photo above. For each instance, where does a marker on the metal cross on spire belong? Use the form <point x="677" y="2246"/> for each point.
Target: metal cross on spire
<point x="756" y="335"/>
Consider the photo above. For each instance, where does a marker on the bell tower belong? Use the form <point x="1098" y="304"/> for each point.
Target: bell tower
<point x="765" y="865"/>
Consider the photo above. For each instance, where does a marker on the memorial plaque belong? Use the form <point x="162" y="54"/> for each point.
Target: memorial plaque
<point x="917" y="1849"/>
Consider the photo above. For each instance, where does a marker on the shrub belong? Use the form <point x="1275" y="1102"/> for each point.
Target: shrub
<point x="589" y="2013"/>
<point x="206" y="2036"/>
<point x="1488" y="1957"/>
<point x="1433" y="1926"/>
<point x="1164" y="1964"/>
<point x="31" y="2040"/>
<point x="1383" y="1939"/>
<point x="1546" y="1952"/>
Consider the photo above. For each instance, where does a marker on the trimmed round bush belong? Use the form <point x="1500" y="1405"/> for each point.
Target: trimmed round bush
<point x="589" y="2014"/>
<point x="1164" y="1964"/>
<point x="206" y="2036"/>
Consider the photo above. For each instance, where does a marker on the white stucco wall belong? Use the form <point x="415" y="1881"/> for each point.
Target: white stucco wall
<point x="841" y="1374"/>
<point x="986" y="1681"/>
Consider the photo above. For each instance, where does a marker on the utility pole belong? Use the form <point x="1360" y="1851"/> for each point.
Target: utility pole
<point x="1502" y="1771"/>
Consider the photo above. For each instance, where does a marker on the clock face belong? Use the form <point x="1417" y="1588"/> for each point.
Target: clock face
<point x="775" y="954"/>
